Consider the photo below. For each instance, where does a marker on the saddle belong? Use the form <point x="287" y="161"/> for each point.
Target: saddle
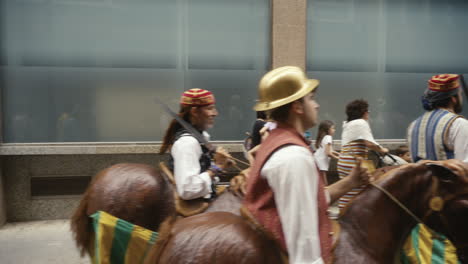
<point x="187" y="208"/>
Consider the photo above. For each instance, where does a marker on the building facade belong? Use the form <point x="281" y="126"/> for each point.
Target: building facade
<point x="78" y="78"/>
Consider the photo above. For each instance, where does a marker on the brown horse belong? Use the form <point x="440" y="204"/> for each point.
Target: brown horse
<point x="136" y="193"/>
<point x="372" y="229"/>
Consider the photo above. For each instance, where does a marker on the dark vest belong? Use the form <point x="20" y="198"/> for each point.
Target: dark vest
<point x="205" y="159"/>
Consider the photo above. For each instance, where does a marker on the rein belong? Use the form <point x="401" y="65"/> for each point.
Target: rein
<point x="402" y="206"/>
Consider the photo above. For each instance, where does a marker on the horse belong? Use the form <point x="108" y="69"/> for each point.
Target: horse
<point x="373" y="227"/>
<point x="136" y="193"/>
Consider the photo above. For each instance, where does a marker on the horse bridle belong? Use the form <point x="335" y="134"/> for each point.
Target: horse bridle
<point x="436" y="204"/>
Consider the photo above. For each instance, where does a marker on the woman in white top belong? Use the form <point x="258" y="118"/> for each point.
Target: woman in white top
<point x="356" y="140"/>
<point x="324" y="147"/>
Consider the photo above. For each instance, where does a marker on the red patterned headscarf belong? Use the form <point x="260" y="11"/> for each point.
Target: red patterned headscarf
<point x="197" y="97"/>
<point x="440" y="87"/>
<point x="444" y="82"/>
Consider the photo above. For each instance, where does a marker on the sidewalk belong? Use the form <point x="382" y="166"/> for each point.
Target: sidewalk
<point x="38" y="242"/>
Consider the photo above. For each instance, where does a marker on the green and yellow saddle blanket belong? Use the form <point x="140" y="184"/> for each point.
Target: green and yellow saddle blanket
<point x="424" y="246"/>
<point x="118" y="241"/>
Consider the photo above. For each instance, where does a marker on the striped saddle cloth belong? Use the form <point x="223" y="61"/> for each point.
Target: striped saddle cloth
<point x="118" y="241"/>
<point x="422" y="248"/>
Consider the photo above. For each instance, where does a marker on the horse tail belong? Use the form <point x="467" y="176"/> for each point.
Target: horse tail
<point x="81" y="226"/>
<point x="164" y="235"/>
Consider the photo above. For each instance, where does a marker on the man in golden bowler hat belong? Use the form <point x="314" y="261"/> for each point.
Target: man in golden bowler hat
<point x="285" y="193"/>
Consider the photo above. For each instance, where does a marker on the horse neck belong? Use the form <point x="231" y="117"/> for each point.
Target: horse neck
<point x="376" y="223"/>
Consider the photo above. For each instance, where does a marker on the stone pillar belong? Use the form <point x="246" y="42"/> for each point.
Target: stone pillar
<point x="3" y="216"/>
<point x="289" y="18"/>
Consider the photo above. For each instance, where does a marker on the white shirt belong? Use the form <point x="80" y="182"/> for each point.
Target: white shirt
<point x="323" y="160"/>
<point x="270" y="125"/>
<point x="357" y="129"/>
<point x="190" y="183"/>
<point x="458" y="139"/>
<point x="292" y="175"/>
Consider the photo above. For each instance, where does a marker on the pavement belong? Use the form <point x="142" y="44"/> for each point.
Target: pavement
<point x="38" y="242"/>
<point x="47" y="242"/>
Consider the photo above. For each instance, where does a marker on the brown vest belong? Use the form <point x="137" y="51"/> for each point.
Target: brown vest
<point x="260" y="200"/>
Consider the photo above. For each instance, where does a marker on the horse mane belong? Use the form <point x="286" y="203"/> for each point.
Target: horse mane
<point x="164" y="235"/>
<point x="378" y="175"/>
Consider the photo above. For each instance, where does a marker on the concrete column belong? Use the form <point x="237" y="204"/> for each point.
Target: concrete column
<point x="289" y="18"/>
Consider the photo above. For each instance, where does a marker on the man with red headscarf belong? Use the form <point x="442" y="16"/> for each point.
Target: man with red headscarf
<point x="190" y="161"/>
<point x="440" y="133"/>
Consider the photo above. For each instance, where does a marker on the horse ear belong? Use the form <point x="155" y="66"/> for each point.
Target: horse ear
<point x="443" y="173"/>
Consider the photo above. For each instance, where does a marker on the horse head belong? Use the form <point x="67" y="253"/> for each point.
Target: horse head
<point x="448" y="204"/>
<point x="432" y="192"/>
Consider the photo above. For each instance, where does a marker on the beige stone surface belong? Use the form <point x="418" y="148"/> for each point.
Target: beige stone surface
<point x="11" y="149"/>
<point x="3" y="216"/>
<point x="289" y="33"/>
<point x="38" y="242"/>
<point x="18" y="171"/>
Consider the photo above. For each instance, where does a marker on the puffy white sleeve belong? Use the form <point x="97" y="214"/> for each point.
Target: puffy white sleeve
<point x="458" y="136"/>
<point x="191" y="184"/>
<point x="292" y="174"/>
<point x="357" y="129"/>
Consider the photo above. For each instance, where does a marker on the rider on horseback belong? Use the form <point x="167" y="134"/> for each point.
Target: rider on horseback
<point x="440" y="133"/>
<point x="190" y="161"/>
<point x="285" y="193"/>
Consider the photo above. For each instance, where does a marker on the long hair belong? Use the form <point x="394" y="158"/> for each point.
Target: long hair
<point x="323" y="129"/>
<point x="168" y="140"/>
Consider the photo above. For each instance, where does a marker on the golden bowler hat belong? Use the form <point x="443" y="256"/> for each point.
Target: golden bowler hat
<point x="282" y="86"/>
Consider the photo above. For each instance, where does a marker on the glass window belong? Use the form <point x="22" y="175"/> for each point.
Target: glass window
<point x="383" y="51"/>
<point x="85" y="71"/>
